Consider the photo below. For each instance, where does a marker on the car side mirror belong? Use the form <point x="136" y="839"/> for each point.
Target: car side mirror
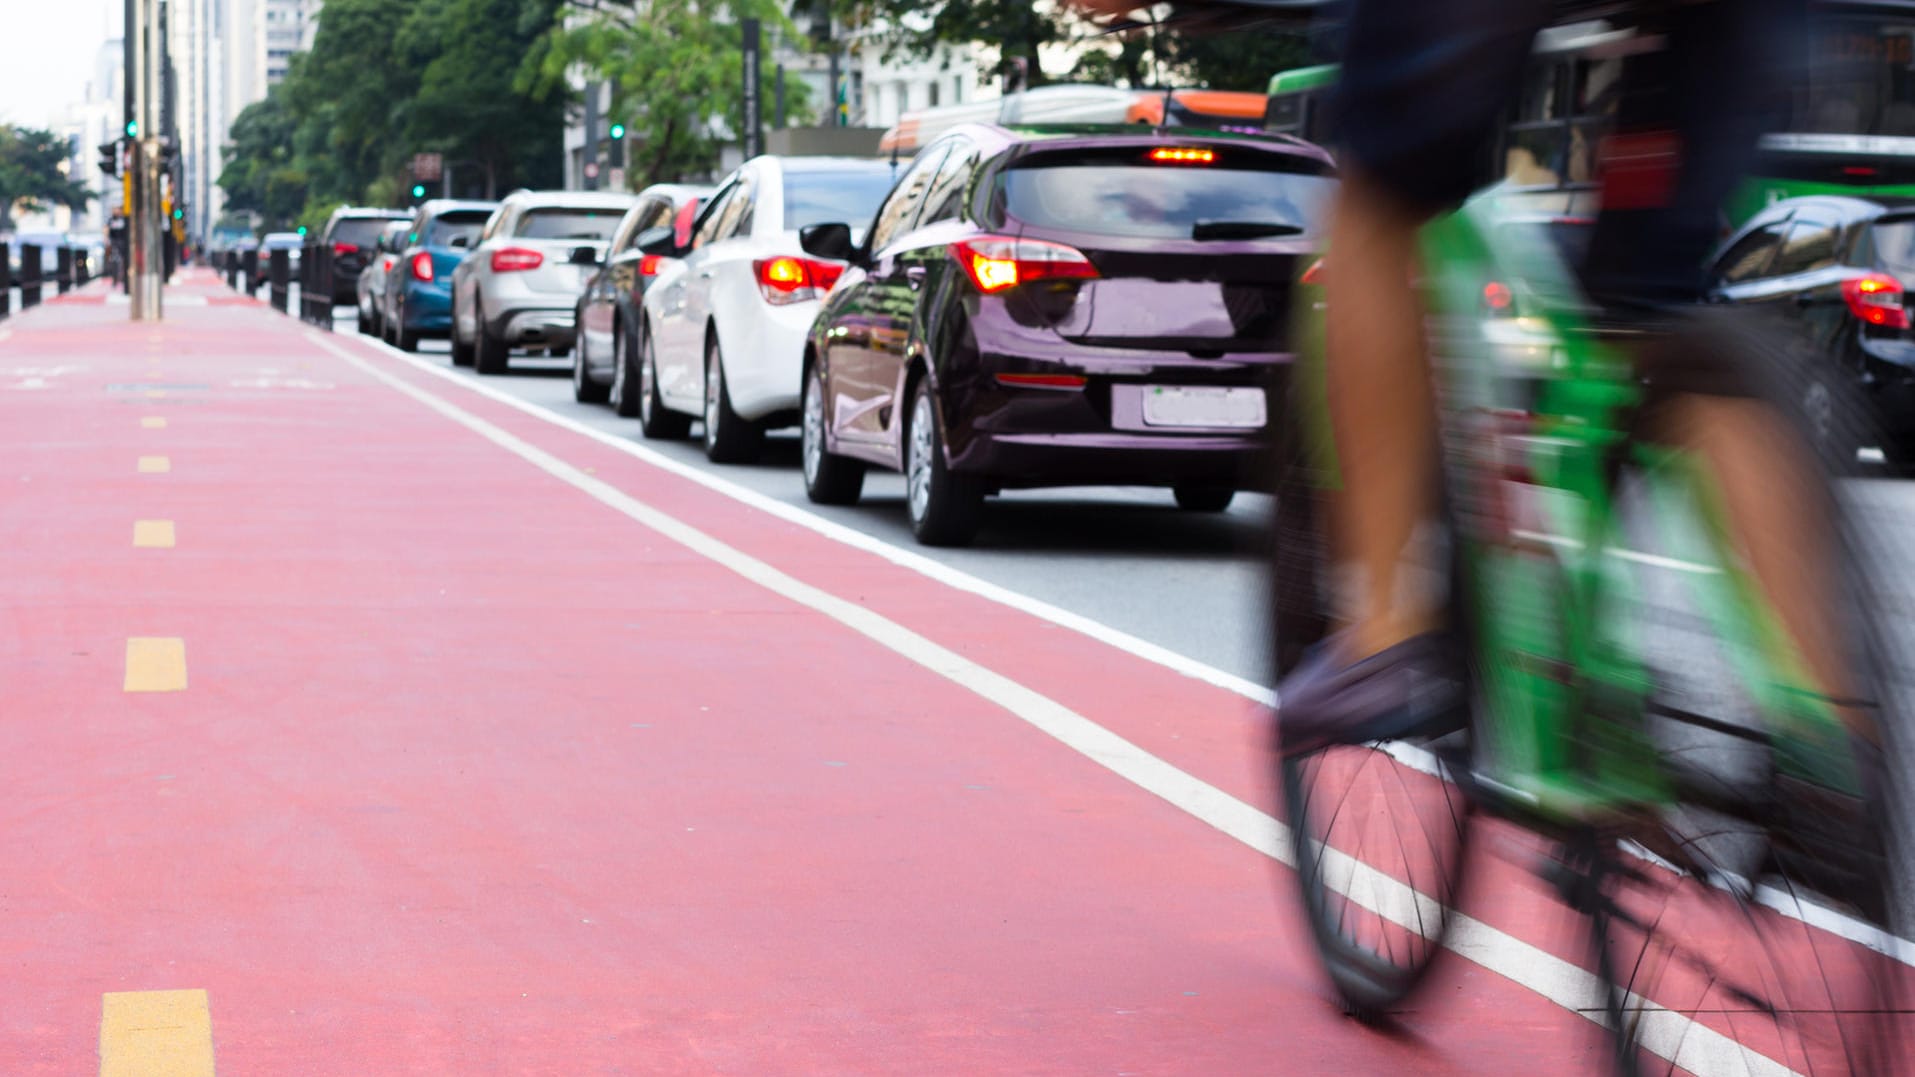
<point x="584" y="256"/>
<point x="460" y="241"/>
<point x="832" y="241"/>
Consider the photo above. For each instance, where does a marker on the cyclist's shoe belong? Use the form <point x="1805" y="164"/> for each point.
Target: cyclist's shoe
<point x="1412" y="689"/>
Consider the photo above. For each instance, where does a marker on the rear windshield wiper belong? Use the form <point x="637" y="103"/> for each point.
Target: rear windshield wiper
<point x="1243" y="229"/>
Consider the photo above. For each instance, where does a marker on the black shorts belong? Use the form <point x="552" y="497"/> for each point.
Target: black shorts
<point x="1427" y="84"/>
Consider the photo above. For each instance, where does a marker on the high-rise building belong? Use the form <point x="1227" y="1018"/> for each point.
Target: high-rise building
<point x="285" y="27"/>
<point x="197" y="51"/>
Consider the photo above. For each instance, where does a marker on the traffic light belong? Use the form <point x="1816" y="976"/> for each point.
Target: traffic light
<point x="110" y="157"/>
<point x="418" y="191"/>
<point x="132" y="128"/>
<point x="616" y="154"/>
<point x="302" y="231"/>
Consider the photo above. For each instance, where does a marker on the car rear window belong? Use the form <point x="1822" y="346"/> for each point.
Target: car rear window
<point x="1146" y="199"/>
<point x="446" y="227"/>
<point x="842" y="196"/>
<point x="362" y="231"/>
<point x="1569" y="235"/>
<point x="571" y="223"/>
<point x="1895" y="245"/>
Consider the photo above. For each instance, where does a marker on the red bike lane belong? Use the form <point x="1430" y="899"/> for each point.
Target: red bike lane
<point x="472" y="773"/>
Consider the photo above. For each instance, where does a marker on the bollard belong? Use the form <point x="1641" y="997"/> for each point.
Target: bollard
<point x="279" y="268"/>
<point x="29" y="276"/>
<point x="63" y="270"/>
<point x="82" y="267"/>
<point x="322" y="288"/>
<point x="6" y="282"/>
<point x="232" y="270"/>
<point x="249" y="269"/>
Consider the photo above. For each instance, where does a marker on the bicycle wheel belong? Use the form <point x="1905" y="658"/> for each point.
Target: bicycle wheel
<point x="1742" y="931"/>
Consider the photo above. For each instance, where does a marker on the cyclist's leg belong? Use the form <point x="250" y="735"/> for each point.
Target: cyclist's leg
<point x="1422" y="86"/>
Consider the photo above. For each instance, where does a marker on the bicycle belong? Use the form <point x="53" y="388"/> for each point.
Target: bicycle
<point x="1671" y="763"/>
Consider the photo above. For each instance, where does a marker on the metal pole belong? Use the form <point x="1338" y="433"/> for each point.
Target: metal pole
<point x="143" y="41"/>
<point x="753" y="112"/>
<point x="588" y="159"/>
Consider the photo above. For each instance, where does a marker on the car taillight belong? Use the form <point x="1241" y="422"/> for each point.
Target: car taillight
<point x="422" y="266"/>
<point x="650" y="264"/>
<point x="786" y="279"/>
<point x="1877" y="300"/>
<point x="513" y="259"/>
<point x="1313" y="276"/>
<point x="1183" y="155"/>
<point x="999" y="263"/>
<point x="1043" y="381"/>
<point x="344" y="248"/>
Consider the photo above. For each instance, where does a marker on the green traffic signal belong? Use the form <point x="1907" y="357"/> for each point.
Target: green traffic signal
<point x="418" y="190"/>
<point x="302" y="229"/>
<point x="179" y="214"/>
<point x="132" y="128"/>
<point x="618" y="130"/>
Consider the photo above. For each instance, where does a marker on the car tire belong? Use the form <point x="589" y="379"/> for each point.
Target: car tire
<point x="461" y="350"/>
<point x="830" y="479"/>
<point x="1199" y="497"/>
<point x="368" y="322"/>
<point x="408" y="339"/>
<point x="655" y="420"/>
<point x="492" y="354"/>
<point x="623" y="394"/>
<point x="584" y="389"/>
<point x="1823" y="415"/>
<point x="945" y="508"/>
<point x="729" y="438"/>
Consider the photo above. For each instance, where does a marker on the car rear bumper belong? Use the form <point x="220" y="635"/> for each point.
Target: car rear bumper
<point x="1012" y="436"/>
<point x="427" y="308"/>
<point x="535" y="327"/>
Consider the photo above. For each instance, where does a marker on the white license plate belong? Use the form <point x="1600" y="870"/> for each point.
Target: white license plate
<point x="1183" y="405"/>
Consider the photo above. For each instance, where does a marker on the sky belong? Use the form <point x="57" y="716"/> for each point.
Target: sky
<point x="47" y="53"/>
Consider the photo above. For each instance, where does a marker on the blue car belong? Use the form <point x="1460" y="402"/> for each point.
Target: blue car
<point x="419" y="285"/>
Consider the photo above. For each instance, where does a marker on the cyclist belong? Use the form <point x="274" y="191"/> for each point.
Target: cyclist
<point x="1423" y="85"/>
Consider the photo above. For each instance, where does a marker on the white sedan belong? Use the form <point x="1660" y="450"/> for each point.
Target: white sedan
<point x="724" y="330"/>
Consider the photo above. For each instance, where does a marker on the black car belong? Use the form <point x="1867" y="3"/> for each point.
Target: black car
<point x="610" y="309"/>
<point x="352" y="234"/>
<point x="1836" y="266"/>
<point x="1061" y="307"/>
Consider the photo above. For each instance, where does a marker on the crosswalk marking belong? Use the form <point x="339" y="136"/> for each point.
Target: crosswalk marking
<point x="156" y="1034"/>
<point x="155" y="664"/>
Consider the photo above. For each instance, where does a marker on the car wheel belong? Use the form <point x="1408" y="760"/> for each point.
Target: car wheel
<point x="655" y="420"/>
<point x="408" y="339"/>
<point x="729" y="439"/>
<point x="492" y="354"/>
<point x="1197" y="497"/>
<point x="584" y="389"/>
<point x="944" y="507"/>
<point x="624" y="393"/>
<point x="830" y="479"/>
<point x="461" y="349"/>
<point x="368" y="326"/>
<point x="1835" y="436"/>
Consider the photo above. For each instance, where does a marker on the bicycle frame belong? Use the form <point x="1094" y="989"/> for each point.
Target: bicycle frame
<point x="1562" y="737"/>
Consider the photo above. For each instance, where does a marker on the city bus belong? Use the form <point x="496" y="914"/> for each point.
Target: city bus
<point x="1850" y="129"/>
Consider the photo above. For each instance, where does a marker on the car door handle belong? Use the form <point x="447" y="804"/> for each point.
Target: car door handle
<point x="707" y="274"/>
<point x="914" y="277"/>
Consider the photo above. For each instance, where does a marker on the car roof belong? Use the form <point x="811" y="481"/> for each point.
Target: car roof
<point x="344" y="212"/>
<point x="434" y="207"/>
<point x="678" y="192"/>
<point x="799" y="165"/>
<point x="592" y="199"/>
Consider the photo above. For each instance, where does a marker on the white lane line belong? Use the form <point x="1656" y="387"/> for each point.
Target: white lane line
<point x="916" y="562"/>
<point x="1689" y="1045"/>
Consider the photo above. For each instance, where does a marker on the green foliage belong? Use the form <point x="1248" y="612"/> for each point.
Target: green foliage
<point x="30" y="174"/>
<point x="387" y="79"/>
<point x="1017" y="29"/>
<point x="675" y="70"/>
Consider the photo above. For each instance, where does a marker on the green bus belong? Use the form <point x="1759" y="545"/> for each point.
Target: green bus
<point x="1851" y="127"/>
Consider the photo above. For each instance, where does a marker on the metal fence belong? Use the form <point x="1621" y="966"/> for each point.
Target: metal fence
<point x="71" y="267"/>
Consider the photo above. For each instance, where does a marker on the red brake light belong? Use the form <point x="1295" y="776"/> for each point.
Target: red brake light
<point x="999" y="263"/>
<point x="513" y="259"/>
<point x="1183" y="155"/>
<point x="786" y="279"/>
<point x="1043" y="381"/>
<point x="1497" y="297"/>
<point x="422" y="266"/>
<point x="344" y="248"/>
<point x="648" y="265"/>
<point x="1877" y="300"/>
<point x="1313" y="275"/>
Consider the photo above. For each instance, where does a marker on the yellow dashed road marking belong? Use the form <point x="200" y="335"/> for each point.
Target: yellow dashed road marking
<point x="155" y="465"/>
<point x="155" y="664"/>
<point x="156" y="1034"/>
<point x="157" y="534"/>
<point x="153" y="422"/>
<point x="156" y="394"/>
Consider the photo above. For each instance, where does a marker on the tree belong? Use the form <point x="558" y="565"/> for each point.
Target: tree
<point x="674" y="66"/>
<point x="33" y="164"/>
<point x="260" y="172"/>
<point x="1016" y="29"/>
<point x="473" y="103"/>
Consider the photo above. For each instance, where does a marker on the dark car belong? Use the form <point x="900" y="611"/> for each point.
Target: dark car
<point x="610" y="306"/>
<point x="419" y="286"/>
<point x="1049" y="307"/>
<point x="1836" y="267"/>
<point x="352" y="233"/>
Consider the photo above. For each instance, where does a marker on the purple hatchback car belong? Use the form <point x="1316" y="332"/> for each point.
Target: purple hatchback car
<point x="1062" y="307"/>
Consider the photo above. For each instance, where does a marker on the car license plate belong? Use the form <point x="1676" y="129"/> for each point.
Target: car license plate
<point x="1213" y="406"/>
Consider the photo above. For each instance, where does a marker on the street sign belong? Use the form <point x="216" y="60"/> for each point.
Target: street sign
<point x="428" y="167"/>
<point x="591" y="170"/>
<point x="615" y="179"/>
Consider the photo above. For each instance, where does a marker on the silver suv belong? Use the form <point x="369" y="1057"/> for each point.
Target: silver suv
<point x="520" y="285"/>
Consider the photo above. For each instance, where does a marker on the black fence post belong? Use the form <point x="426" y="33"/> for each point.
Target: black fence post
<point x="322" y="287"/>
<point x="249" y="269"/>
<point x="29" y="276"/>
<point x="279" y="267"/>
<point x="6" y="282"/>
<point x="82" y="266"/>
<point x="232" y="270"/>
<point x="63" y="269"/>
